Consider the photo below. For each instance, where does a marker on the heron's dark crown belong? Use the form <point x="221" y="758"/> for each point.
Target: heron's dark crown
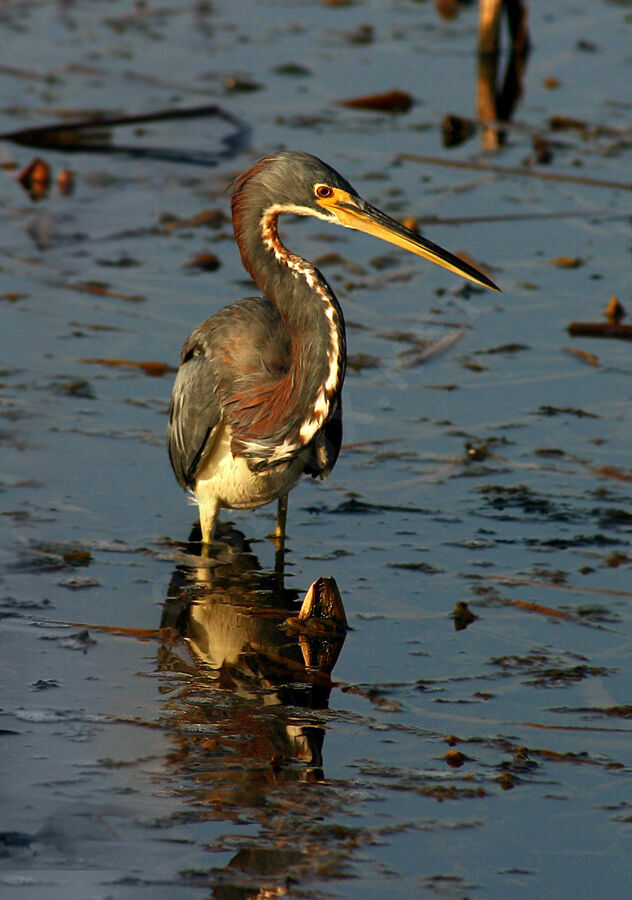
<point x="287" y="179"/>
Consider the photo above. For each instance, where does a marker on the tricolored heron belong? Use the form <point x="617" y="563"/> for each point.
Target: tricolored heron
<point x="256" y="401"/>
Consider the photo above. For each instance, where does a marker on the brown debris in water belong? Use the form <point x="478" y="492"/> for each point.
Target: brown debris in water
<point x="392" y="102"/>
<point x="77" y="557"/>
<point x="65" y="181"/>
<point x="590" y="358"/>
<point x="455" y="130"/>
<point x="363" y="34"/>
<point x="463" y="616"/>
<point x="568" y="262"/>
<point x="321" y="625"/>
<point x="542" y="150"/>
<point x="615" y="310"/>
<point x="102" y="290"/>
<point x="612" y="328"/>
<point x="356" y="362"/>
<point x="507" y="781"/>
<point x="151" y="367"/>
<point x="209" y="218"/>
<point x="567" y="123"/>
<point x="208" y="262"/>
<point x="613" y="472"/>
<point x="455" y="758"/>
<point x="323" y="601"/>
<point x="440" y="792"/>
<point x="412" y="223"/>
<point x="241" y="85"/>
<point x="35" y="178"/>
<point x="600" y="329"/>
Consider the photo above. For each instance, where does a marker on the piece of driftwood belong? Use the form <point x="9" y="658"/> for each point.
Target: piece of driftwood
<point x="321" y="625"/>
<point x="601" y="330"/>
<point x="612" y="328"/>
<point x="323" y="602"/>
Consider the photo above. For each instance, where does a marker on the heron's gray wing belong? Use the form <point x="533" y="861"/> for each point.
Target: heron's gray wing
<point x="194" y="414"/>
<point x="236" y="368"/>
<point x="242" y="347"/>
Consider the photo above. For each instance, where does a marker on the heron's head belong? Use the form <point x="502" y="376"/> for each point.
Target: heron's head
<point x="294" y="182"/>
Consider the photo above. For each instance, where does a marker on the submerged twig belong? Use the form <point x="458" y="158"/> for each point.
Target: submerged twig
<point x="514" y="170"/>
<point x="522" y="217"/>
<point x="519" y="581"/>
<point x="139" y="634"/>
<point x="60" y="134"/>
<point x="417" y="355"/>
<point x="89" y="134"/>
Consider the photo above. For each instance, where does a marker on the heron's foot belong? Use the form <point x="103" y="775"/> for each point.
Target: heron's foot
<point x="209" y="509"/>
<point x="206" y="537"/>
<point x="205" y="549"/>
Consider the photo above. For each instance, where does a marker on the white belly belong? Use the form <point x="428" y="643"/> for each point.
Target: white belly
<point x="226" y="481"/>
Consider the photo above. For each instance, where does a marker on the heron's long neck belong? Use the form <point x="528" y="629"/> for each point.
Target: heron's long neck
<point x="306" y="302"/>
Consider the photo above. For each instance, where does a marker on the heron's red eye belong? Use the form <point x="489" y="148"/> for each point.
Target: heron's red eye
<point x="324" y="191"/>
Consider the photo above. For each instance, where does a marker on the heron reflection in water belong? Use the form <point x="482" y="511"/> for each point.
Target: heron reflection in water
<point x="256" y="401"/>
<point x="255" y="671"/>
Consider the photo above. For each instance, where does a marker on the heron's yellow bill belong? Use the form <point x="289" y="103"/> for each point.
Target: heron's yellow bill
<point x="353" y="212"/>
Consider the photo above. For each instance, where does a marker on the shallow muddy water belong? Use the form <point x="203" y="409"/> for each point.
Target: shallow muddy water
<point x="160" y="734"/>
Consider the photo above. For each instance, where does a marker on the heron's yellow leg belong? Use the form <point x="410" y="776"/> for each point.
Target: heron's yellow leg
<point x="281" y="520"/>
<point x="209" y="509"/>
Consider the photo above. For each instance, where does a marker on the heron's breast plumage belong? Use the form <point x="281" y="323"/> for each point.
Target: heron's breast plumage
<point x="232" y="482"/>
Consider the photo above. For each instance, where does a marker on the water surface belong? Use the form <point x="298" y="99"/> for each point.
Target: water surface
<point x="160" y="737"/>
